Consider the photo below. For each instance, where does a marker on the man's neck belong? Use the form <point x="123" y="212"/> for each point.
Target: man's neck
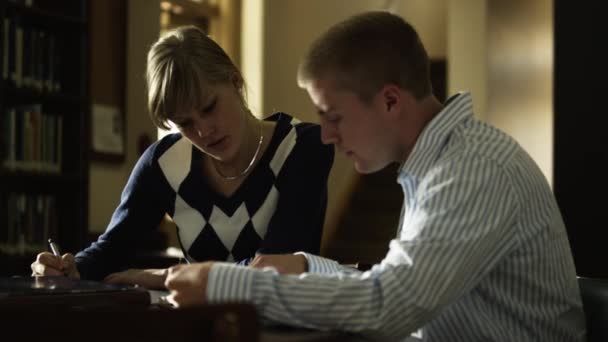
<point x="423" y="112"/>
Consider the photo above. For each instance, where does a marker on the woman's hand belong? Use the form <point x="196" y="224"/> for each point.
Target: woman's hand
<point x="47" y="264"/>
<point x="149" y="279"/>
<point x="284" y="263"/>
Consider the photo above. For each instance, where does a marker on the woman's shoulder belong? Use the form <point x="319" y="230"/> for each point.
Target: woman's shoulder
<point x="305" y="136"/>
<point x="304" y="130"/>
<point x="165" y="144"/>
<point x="169" y="139"/>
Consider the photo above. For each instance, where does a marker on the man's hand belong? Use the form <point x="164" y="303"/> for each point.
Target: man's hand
<point x="47" y="264"/>
<point x="150" y="278"/>
<point x="284" y="263"/>
<point x="187" y="284"/>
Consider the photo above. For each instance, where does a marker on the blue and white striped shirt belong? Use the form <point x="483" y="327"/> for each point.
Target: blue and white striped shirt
<point x="481" y="254"/>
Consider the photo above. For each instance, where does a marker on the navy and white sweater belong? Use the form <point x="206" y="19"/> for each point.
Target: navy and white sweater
<point x="279" y="207"/>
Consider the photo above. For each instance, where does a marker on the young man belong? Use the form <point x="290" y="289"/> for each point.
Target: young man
<point x="482" y="252"/>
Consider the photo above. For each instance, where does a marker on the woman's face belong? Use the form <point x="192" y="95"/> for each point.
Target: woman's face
<point x="218" y="128"/>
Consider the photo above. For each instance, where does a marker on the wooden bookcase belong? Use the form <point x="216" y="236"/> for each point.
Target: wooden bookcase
<point x="44" y="124"/>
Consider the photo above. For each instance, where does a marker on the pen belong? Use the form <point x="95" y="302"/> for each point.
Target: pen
<point x="54" y="248"/>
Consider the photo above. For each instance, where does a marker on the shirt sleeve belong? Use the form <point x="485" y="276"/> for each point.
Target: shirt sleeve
<point x="317" y="264"/>
<point x="144" y="201"/>
<point x="459" y="227"/>
<point x="297" y="224"/>
<point x="229" y="282"/>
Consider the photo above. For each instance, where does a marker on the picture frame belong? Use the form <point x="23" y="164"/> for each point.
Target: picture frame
<point x="107" y="133"/>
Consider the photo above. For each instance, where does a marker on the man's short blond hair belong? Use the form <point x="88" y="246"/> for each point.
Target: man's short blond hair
<point x="367" y="51"/>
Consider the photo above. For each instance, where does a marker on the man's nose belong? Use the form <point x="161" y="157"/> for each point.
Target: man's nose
<point x="329" y="135"/>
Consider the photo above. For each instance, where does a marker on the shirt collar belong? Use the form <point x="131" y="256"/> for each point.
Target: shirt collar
<point x="433" y="137"/>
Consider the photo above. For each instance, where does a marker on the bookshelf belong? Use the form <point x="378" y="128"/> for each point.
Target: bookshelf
<point x="44" y="124"/>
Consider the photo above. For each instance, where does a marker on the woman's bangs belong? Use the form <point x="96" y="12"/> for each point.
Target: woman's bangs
<point x="184" y="92"/>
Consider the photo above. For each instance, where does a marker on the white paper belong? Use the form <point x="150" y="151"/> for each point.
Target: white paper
<point x="107" y="129"/>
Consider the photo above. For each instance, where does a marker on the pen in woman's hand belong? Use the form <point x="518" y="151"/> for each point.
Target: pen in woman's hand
<point x="56" y="252"/>
<point x="54" y="248"/>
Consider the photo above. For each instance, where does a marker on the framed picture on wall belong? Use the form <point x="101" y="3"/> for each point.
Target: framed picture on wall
<point x="107" y="133"/>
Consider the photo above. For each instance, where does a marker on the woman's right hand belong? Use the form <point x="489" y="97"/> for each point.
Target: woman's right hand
<point x="47" y="264"/>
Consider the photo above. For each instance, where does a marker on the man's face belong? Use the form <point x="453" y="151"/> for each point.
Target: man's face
<point x="356" y="128"/>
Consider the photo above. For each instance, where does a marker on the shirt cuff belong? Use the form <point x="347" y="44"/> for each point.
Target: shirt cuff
<point x="230" y="283"/>
<point x="317" y="264"/>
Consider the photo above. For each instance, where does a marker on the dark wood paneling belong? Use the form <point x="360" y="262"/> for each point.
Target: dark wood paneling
<point x="581" y="151"/>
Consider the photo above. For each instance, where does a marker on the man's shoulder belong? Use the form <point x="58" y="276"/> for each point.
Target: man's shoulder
<point x="478" y="140"/>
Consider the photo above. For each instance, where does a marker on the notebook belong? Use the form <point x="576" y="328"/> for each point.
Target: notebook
<point x="53" y="292"/>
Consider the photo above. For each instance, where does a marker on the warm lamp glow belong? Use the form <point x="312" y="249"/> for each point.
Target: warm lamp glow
<point x="165" y="5"/>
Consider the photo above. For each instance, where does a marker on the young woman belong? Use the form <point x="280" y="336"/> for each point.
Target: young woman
<point x="235" y="186"/>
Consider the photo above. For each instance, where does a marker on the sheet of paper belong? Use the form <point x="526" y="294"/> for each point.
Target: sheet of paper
<point x="107" y="129"/>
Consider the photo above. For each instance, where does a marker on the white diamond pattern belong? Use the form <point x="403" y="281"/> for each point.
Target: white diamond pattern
<point x="189" y="221"/>
<point x="283" y="151"/>
<point x="178" y="154"/>
<point x="262" y="217"/>
<point x="231" y="226"/>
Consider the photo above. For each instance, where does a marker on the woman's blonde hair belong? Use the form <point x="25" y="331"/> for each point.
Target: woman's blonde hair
<point x="181" y="65"/>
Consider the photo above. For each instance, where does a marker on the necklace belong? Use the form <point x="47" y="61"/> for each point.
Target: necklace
<point x="244" y="172"/>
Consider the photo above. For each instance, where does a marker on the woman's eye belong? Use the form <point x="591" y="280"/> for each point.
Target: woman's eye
<point x="210" y="107"/>
<point x="183" y="125"/>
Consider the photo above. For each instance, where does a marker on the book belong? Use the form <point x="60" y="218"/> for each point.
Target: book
<point x="29" y="293"/>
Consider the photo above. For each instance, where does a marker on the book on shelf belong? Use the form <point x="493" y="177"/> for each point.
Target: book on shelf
<point x="6" y="23"/>
<point x="44" y="90"/>
<point x="30" y="56"/>
<point x="17" y="72"/>
<point x="32" y="139"/>
<point x="30" y="220"/>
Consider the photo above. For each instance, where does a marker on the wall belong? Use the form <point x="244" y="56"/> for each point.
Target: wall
<point x="501" y="51"/>
<point x="466" y="51"/>
<point x="520" y="74"/>
<point x="429" y="18"/>
<point x="143" y="28"/>
<point x="107" y="179"/>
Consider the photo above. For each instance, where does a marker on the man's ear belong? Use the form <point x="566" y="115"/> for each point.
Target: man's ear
<point x="396" y="100"/>
<point x="392" y="98"/>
